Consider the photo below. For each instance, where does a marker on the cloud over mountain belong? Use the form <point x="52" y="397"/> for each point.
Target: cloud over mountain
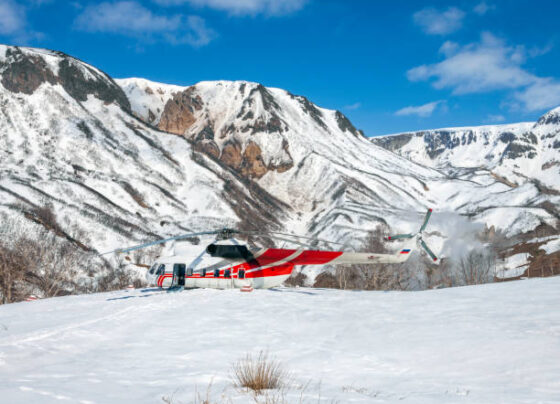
<point x="130" y="18"/>
<point x="243" y="7"/>
<point x="489" y="65"/>
<point x="422" y="111"/>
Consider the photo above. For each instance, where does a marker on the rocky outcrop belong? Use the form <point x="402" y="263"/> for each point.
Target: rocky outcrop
<point x="345" y="125"/>
<point x="233" y="143"/>
<point x="311" y="110"/>
<point x="253" y="165"/>
<point x="178" y="114"/>
<point x="231" y="155"/>
<point x="73" y="78"/>
<point x="24" y="72"/>
<point x="393" y="143"/>
<point x="550" y="118"/>
<point x="249" y="162"/>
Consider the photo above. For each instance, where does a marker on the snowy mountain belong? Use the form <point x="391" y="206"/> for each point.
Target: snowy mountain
<point x="272" y="137"/>
<point x="483" y="344"/>
<point x="68" y="138"/>
<point x="131" y="160"/>
<point x="516" y="153"/>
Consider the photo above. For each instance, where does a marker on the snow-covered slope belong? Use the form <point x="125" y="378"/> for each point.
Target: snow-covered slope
<point x="517" y="153"/>
<point x="148" y="98"/>
<point x="315" y="161"/>
<point x="485" y="344"/>
<point x="68" y="138"/>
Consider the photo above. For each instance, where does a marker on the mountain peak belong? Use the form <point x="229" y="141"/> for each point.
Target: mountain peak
<point x="24" y="70"/>
<point x="552" y="117"/>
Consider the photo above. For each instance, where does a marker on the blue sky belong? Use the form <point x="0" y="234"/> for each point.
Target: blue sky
<point x="390" y="66"/>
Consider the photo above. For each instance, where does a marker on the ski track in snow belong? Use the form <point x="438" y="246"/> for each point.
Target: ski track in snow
<point x="496" y="343"/>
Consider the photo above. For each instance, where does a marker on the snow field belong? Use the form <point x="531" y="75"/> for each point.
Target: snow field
<point x="496" y="343"/>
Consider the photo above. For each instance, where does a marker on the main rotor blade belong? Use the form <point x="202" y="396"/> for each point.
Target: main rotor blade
<point x="428" y="214"/>
<point x="140" y="246"/>
<point x="399" y="236"/>
<point x="292" y="241"/>
<point x="430" y="253"/>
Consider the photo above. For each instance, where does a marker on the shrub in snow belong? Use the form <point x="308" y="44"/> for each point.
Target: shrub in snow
<point x="259" y="373"/>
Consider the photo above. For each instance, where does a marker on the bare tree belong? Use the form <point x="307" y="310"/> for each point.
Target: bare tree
<point x="34" y="259"/>
<point x="477" y="267"/>
<point x="12" y="274"/>
<point x="55" y="264"/>
<point x="12" y="261"/>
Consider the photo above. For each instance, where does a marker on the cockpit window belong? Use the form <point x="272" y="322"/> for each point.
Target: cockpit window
<point x="153" y="268"/>
<point x="161" y="269"/>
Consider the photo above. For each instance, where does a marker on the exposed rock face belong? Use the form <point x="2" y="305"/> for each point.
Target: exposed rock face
<point x="178" y="114"/>
<point x="75" y="82"/>
<point x="345" y="125"/>
<point x="550" y="118"/>
<point x="209" y="147"/>
<point x="231" y="155"/>
<point x="395" y="142"/>
<point x="234" y="140"/>
<point x="23" y="72"/>
<point x="311" y="109"/>
<point x="248" y="162"/>
<point x="515" y="150"/>
<point x="253" y="165"/>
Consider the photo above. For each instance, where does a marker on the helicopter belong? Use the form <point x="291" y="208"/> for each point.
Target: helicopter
<point x="223" y="265"/>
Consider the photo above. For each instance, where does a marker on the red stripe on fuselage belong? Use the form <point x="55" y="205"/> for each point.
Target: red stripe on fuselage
<point x="282" y="269"/>
<point x="273" y="255"/>
<point x="315" y="257"/>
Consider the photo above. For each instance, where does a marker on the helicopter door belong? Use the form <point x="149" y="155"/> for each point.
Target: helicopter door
<point x="179" y="274"/>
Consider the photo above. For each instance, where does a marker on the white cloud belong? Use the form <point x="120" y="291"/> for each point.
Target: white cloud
<point x="423" y="111"/>
<point x="126" y="17"/>
<point x="490" y="65"/>
<point x="354" y="106"/>
<point x="475" y="68"/>
<point x="244" y="7"/>
<point x="13" y="21"/>
<point x="449" y="48"/>
<point x="495" y="118"/>
<point x="12" y="17"/>
<point x="543" y="94"/>
<point x="540" y="50"/>
<point x="132" y="19"/>
<point x="483" y="7"/>
<point x="436" y="22"/>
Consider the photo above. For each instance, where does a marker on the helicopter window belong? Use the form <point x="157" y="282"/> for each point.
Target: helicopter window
<point x="227" y="273"/>
<point x="153" y="268"/>
<point x="189" y="271"/>
<point x="216" y="273"/>
<point x="161" y="270"/>
<point x="203" y="273"/>
<point x="241" y="274"/>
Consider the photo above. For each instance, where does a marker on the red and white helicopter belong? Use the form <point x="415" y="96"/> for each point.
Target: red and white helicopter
<point x="227" y="266"/>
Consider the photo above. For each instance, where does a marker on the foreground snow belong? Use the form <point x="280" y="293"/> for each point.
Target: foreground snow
<point x="495" y="343"/>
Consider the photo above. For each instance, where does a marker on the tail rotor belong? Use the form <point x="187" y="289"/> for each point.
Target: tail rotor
<point x="418" y="236"/>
